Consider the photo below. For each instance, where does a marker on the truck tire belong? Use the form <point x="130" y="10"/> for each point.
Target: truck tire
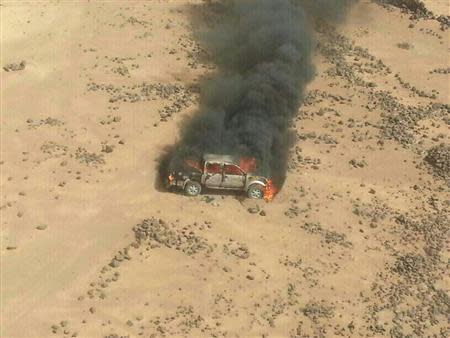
<point x="255" y="191"/>
<point x="192" y="188"/>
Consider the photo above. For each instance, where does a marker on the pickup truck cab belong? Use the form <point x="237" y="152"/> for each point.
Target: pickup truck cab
<point x="222" y="172"/>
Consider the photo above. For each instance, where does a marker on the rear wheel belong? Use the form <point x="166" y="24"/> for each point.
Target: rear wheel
<point x="192" y="188"/>
<point x="255" y="191"/>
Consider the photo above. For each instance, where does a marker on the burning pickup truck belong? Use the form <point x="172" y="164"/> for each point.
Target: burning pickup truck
<point x="221" y="172"/>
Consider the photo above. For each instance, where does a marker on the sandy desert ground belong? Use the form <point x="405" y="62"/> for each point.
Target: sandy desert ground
<point x="356" y="244"/>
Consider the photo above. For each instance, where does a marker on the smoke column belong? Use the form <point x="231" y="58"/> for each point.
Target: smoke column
<point x="263" y="52"/>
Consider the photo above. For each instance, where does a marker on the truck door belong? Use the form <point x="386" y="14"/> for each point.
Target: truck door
<point x="213" y="175"/>
<point x="233" y="177"/>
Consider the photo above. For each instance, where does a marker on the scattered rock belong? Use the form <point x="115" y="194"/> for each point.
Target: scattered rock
<point x="438" y="158"/>
<point x="315" y="310"/>
<point x="330" y="237"/>
<point x="154" y="230"/>
<point x="90" y="159"/>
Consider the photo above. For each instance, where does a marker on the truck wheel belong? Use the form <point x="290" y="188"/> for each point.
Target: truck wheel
<point x="255" y="191"/>
<point x="192" y="188"/>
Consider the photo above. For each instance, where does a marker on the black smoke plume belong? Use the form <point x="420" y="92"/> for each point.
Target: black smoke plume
<point x="262" y="49"/>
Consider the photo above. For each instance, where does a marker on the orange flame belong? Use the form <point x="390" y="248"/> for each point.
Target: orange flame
<point x="270" y="191"/>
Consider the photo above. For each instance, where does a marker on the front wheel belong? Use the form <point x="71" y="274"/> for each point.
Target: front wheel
<point x="255" y="191"/>
<point x="192" y="188"/>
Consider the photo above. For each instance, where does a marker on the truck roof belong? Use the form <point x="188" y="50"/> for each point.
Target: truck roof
<point x="220" y="158"/>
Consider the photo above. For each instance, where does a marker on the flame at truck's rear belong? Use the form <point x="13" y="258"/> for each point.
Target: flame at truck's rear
<point x="270" y="191"/>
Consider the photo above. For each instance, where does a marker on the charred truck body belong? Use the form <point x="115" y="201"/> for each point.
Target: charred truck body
<point x="221" y="172"/>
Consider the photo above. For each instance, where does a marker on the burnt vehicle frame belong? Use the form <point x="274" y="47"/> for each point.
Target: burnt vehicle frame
<point x="219" y="172"/>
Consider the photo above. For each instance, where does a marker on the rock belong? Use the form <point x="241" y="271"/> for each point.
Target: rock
<point x="357" y="164"/>
<point x="405" y="45"/>
<point x="14" y="67"/>
<point x="114" y="263"/>
<point x="41" y="227"/>
<point x="253" y="210"/>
